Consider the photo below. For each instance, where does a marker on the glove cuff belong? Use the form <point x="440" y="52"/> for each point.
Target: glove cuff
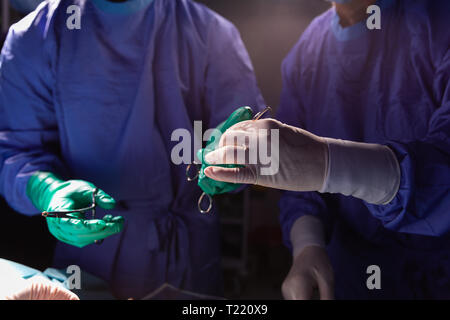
<point x="363" y="170"/>
<point x="306" y="231"/>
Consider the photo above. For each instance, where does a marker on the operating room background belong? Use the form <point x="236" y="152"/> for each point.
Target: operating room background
<point x="269" y="28"/>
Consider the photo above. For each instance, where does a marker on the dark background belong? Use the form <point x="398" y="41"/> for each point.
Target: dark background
<point x="269" y="28"/>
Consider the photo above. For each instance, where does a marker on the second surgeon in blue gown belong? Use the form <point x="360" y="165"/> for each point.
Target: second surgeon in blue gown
<point x="100" y="103"/>
<point x="376" y="108"/>
<point x="391" y="87"/>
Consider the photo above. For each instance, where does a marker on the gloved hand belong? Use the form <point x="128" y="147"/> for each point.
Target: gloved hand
<point x="213" y="187"/>
<point x="311" y="270"/>
<point x="49" y="193"/>
<point x="36" y="288"/>
<point x="302" y="161"/>
<point x="299" y="164"/>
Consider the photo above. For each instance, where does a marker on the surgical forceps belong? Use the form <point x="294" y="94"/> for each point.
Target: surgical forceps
<point x="192" y="178"/>
<point x="67" y="214"/>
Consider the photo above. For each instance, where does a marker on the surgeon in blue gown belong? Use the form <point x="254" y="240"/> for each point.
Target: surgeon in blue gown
<point x="369" y="116"/>
<point x="100" y="103"/>
<point x="391" y="87"/>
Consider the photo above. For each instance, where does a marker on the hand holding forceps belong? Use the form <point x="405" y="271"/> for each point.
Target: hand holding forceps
<point x="69" y="207"/>
<point x="212" y="187"/>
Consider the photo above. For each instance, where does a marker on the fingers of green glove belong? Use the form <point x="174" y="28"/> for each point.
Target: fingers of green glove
<point x="55" y="230"/>
<point x="80" y="227"/>
<point x="104" y="200"/>
<point x="118" y="219"/>
<point x="107" y="218"/>
<point x="75" y="232"/>
<point x="115" y="225"/>
<point x="81" y="192"/>
<point x="110" y="218"/>
<point x="77" y="240"/>
<point x="83" y="232"/>
<point x="102" y="231"/>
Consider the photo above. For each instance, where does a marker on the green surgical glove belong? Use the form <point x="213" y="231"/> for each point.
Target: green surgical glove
<point x="213" y="187"/>
<point x="49" y="193"/>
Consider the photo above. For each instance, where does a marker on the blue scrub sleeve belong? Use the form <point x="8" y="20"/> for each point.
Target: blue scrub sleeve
<point x="294" y="205"/>
<point x="230" y="79"/>
<point x="28" y="127"/>
<point x="422" y="203"/>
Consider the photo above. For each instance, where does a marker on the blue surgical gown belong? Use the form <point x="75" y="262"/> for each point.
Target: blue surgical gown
<point x="100" y="103"/>
<point x="392" y="87"/>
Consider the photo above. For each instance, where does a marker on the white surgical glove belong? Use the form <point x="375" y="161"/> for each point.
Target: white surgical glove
<point x="280" y="156"/>
<point x="311" y="270"/>
<point x="276" y="155"/>
<point x="35" y="288"/>
<point x="363" y="170"/>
